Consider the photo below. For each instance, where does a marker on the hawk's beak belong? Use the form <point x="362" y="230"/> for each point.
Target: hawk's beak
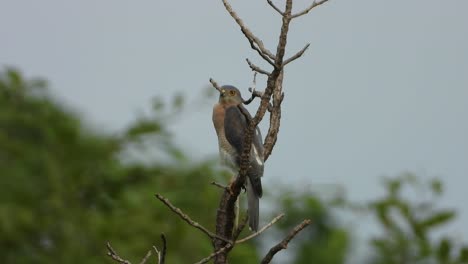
<point x="223" y="93"/>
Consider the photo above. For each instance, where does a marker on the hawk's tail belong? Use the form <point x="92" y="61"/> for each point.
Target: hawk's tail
<point x="253" y="206"/>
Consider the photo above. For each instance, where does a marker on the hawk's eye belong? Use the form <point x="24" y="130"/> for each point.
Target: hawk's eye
<point x="232" y="93"/>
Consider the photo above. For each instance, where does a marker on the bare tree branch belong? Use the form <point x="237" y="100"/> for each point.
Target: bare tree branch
<point x="215" y="85"/>
<point x="143" y="261"/>
<point x="188" y="220"/>
<point x="281" y="48"/>
<point x="297" y="55"/>
<point x="162" y="253"/>
<point x="275" y="7"/>
<point x="252" y="89"/>
<point x="275" y="118"/>
<point x="314" y="4"/>
<point x="274" y="86"/>
<point x="214" y="254"/>
<point x="284" y="243"/>
<point x="113" y="254"/>
<point x="254" y="82"/>
<point x="229" y="246"/>
<point x="158" y="253"/>
<point x="219" y="185"/>
<point x="255" y="42"/>
<point x="254" y="93"/>
<point x="256" y="68"/>
<point x="272" y="222"/>
<point x="259" y="51"/>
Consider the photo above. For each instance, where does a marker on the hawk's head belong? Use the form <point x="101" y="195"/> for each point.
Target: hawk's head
<point x="230" y="95"/>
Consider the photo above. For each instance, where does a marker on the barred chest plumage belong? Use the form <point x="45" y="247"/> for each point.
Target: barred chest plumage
<point x="227" y="153"/>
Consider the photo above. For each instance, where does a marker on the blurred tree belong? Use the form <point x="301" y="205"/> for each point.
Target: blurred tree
<point x="323" y="241"/>
<point x="66" y="189"/>
<point x="408" y="225"/>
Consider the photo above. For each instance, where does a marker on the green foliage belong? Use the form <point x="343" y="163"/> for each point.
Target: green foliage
<point x="322" y="241"/>
<point x="408" y="226"/>
<point x="66" y="190"/>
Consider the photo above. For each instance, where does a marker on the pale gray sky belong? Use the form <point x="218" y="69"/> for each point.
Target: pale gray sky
<point x="383" y="88"/>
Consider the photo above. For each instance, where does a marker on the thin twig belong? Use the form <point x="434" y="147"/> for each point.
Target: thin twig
<point x="252" y="90"/>
<point x="219" y="185"/>
<point x="254" y="81"/>
<point x="158" y="253"/>
<point x="272" y="222"/>
<point x="188" y="220"/>
<point x="275" y="7"/>
<point x="284" y="243"/>
<point x="256" y="68"/>
<point x="162" y="254"/>
<point x="229" y="246"/>
<point x="297" y="55"/>
<point x="259" y="51"/>
<point x="314" y="4"/>
<point x="215" y="85"/>
<point x="254" y="94"/>
<point x="214" y="254"/>
<point x="113" y="254"/>
<point x="143" y="261"/>
<point x="255" y="42"/>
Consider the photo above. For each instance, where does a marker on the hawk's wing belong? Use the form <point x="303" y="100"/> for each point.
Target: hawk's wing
<point x="235" y="124"/>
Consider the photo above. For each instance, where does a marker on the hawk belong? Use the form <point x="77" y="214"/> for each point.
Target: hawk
<point x="230" y="119"/>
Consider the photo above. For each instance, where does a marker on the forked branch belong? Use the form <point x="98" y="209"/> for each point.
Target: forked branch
<point x="115" y="256"/>
<point x="160" y="254"/>
<point x="297" y="55"/>
<point x="256" y="68"/>
<point x="307" y="10"/>
<point x="275" y="7"/>
<point x="255" y="42"/>
<point x="284" y="243"/>
<point x="229" y="246"/>
<point x="272" y="222"/>
<point x="188" y="220"/>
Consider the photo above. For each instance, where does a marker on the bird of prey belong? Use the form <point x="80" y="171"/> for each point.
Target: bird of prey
<point x="230" y="120"/>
